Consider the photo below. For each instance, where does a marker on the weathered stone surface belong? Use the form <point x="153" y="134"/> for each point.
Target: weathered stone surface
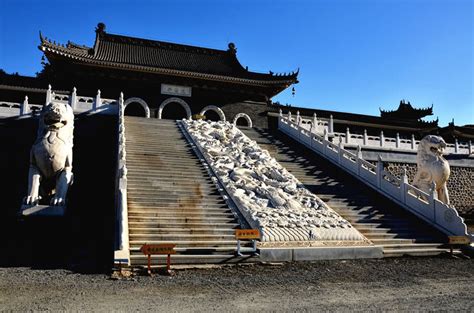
<point x="276" y="200"/>
<point x="432" y="167"/>
<point x="460" y="184"/>
<point x="51" y="155"/>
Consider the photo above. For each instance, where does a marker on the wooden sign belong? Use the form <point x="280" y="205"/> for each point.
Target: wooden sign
<point x="165" y="248"/>
<point x="247" y="234"/>
<point x="459" y="240"/>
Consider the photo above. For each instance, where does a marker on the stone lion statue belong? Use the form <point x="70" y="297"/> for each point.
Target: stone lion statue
<point x="432" y="167"/>
<point x="51" y="155"/>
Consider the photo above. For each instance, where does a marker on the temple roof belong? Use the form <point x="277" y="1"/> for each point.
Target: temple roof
<point x="405" y="111"/>
<point x="130" y="53"/>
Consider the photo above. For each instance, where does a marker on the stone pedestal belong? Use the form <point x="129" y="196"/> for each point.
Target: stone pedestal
<point x="42" y="210"/>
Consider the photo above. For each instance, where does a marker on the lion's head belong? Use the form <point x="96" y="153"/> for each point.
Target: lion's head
<point x="56" y="115"/>
<point x="430" y="147"/>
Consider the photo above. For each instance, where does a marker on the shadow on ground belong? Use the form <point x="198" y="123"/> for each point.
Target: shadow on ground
<point x="81" y="241"/>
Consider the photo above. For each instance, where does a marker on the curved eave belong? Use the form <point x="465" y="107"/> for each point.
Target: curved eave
<point x="61" y="51"/>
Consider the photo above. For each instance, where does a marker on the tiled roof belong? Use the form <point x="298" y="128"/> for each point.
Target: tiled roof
<point x="165" y="58"/>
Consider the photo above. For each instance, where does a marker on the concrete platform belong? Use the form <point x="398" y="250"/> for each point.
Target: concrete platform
<point x="289" y="254"/>
<point x="42" y="210"/>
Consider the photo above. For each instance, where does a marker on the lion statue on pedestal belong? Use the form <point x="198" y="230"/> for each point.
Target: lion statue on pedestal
<point x="51" y="155"/>
<point x="432" y="167"/>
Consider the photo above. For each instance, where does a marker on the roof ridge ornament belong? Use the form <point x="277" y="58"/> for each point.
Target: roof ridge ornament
<point x="232" y="48"/>
<point x="100" y="29"/>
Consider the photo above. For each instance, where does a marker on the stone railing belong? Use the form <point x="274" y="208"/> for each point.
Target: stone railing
<point x="79" y="104"/>
<point x="122" y="252"/>
<point x="423" y="205"/>
<point x="371" y="142"/>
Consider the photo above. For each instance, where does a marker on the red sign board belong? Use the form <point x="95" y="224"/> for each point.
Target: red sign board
<point x="247" y="234"/>
<point x="165" y="248"/>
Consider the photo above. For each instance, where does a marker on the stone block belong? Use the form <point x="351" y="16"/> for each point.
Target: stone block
<point x="42" y="210"/>
<point x="337" y="253"/>
<point x="276" y="255"/>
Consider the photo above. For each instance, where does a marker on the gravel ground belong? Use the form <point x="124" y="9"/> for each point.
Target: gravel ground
<point x="403" y="284"/>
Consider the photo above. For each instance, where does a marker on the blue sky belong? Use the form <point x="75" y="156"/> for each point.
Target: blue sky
<point x="354" y="55"/>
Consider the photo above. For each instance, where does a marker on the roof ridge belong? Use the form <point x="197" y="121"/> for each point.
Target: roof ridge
<point x="159" y="44"/>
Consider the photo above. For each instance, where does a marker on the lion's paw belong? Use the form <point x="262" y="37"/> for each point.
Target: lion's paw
<point x="57" y="201"/>
<point x="31" y="200"/>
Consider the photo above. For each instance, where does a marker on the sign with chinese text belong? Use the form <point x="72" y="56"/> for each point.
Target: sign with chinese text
<point x="247" y="234"/>
<point x="165" y="248"/>
<point x="175" y="90"/>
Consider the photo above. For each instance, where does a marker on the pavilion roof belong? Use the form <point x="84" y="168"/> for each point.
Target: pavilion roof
<point x="130" y="53"/>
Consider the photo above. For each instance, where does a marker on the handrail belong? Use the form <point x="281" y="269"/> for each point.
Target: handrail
<point x="369" y="141"/>
<point x="122" y="245"/>
<point x="80" y="104"/>
<point x="444" y="217"/>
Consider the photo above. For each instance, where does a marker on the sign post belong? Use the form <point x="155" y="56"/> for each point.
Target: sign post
<point x="161" y="249"/>
<point x="252" y="234"/>
<point x="457" y="240"/>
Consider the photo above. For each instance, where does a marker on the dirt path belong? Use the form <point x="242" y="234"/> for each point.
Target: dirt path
<point x="405" y="284"/>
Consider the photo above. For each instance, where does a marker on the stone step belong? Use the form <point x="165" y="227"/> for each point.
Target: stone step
<point x="176" y="181"/>
<point x="137" y="243"/>
<point x="399" y="235"/>
<point x="180" y="208"/>
<point x="158" y="261"/>
<point x="174" y="236"/>
<point x="399" y="252"/>
<point x="188" y="231"/>
<point x="204" y="214"/>
<point x="166" y="224"/>
<point x="397" y="241"/>
<point x="411" y="246"/>
<point x="192" y="203"/>
<point x="192" y="195"/>
<point x="179" y="219"/>
<point x="184" y="192"/>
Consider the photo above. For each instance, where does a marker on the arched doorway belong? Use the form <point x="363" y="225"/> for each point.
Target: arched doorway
<point x="213" y="109"/>
<point x="136" y="107"/>
<point x="242" y="119"/>
<point x="177" y="110"/>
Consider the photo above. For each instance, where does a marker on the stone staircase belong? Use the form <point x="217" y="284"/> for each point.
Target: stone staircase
<point x="379" y="219"/>
<point x="172" y="199"/>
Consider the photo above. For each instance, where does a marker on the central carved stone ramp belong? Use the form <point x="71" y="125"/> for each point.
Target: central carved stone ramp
<point x="379" y="219"/>
<point x="172" y="199"/>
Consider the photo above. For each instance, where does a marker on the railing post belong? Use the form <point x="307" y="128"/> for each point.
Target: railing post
<point x="339" y="151"/>
<point x="73" y="98"/>
<point x="403" y="185"/>
<point x="281" y="113"/>
<point x="298" y="118"/>
<point x="433" y="196"/>
<point x="24" y="107"/>
<point x="289" y="116"/>
<point x="366" y="138"/>
<point x="470" y="147"/>
<point x="397" y="142"/>
<point x="48" y="95"/>
<point x="413" y="143"/>
<point x="348" y="135"/>
<point x="315" y="123"/>
<point x="359" y="157"/>
<point x="331" y="124"/>
<point x="379" y="171"/>
<point x="98" y="101"/>
<point x="382" y="139"/>
<point x="325" y="134"/>
<point x="456" y="145"/>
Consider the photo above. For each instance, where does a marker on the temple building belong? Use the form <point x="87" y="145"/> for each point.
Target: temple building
<point x="167" y="80"/>
<point x="173" y="81"/>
